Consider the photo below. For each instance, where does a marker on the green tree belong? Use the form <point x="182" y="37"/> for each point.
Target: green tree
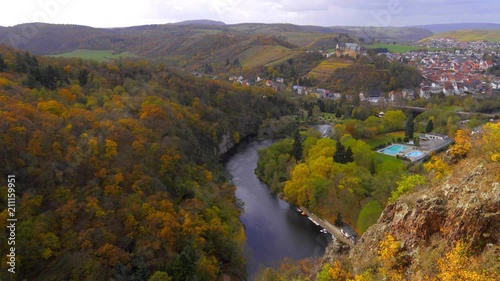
<point x="372" y="167"/>
<point x="430" y="126"/>
<point x="343" y="155"/>
<point x="297" y="146"/>
<point x="184" y="264"/>
<point x="3" y="65"/>
<point x="393" y="120"/>
<point x="83" y="75"/>
<point x="338" y="220"/>
<point x="348" y="157"/>
<point x="160" y="276"/>
<point x="369" y="215"/>
<point x="339" y="155"/>
<point x="405" y="185"/>
<point x="409" y="126"/>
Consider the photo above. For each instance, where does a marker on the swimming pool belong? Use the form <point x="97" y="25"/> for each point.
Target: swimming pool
<point x="415" y="154"/>
<point x="394" y="149"/>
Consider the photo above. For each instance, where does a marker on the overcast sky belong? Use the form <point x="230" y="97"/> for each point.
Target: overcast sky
<point x="116" y="13"/>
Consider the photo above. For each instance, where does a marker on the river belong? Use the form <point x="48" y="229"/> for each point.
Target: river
<point x="274" y="228"/>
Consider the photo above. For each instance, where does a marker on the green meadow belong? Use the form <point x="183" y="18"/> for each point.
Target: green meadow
<point x="99" y="55"/>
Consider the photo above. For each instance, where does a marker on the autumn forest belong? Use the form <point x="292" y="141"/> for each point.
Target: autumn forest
<point x="118" y="168"/>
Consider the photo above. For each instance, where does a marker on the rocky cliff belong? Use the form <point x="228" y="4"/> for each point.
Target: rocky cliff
<point x="464" y="206"/>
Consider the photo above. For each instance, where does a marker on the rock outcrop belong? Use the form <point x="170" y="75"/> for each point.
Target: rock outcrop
<point x="464" y="206"/>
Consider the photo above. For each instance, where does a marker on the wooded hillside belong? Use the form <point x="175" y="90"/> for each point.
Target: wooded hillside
<point x="118" y="170"/>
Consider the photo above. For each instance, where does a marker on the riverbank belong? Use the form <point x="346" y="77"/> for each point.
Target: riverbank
<point x="337" y="232"/>
<point x="273" y="228"/>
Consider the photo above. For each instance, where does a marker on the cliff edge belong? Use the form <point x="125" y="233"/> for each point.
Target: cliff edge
<point x="465" y="206"/>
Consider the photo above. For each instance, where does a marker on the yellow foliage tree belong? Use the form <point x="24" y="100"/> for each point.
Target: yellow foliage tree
<point x="459" y="265"/>
<point x="111" y="151"/>
<point x="438" y="166"/>
<point x="462" y="144"/>
<point x="52" y="106"/>
<point x="388" y="254"/>
<point x="491" y="141"/>
<point x="298" y="188"/>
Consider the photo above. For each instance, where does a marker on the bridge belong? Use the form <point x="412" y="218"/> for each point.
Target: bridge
<point x="333" y="230"/>
<point x="459" y="113"/>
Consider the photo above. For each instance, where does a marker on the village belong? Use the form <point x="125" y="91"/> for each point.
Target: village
<point x="457" y="68"/>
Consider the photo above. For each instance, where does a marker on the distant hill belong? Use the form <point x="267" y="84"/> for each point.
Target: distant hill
<point x="437" y="28"/>
<point x="492" y="35"/>
<point x="388" y="34"/>
<point x="191" y="44"/>
<point x="200" y="22"/>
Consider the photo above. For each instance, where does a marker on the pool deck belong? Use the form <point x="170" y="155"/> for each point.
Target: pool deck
<point x="404" y="153"/>
<point x="427" y="146"/>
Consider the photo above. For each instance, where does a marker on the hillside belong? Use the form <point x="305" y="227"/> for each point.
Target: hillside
<point x="492" y="35"/>
<point x="117" y="169"/>
<point x="463" y="207"/>
<point x="389" y="34"/>
<point x="446" y="230"/>
<point x="437" y="28"/>
<point x="192" y="44"/>
<point x="324" y="70"/>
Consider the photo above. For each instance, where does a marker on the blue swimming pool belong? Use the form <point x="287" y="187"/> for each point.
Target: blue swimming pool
<point x="415" y="154"/>
<point x="394" y="149"/>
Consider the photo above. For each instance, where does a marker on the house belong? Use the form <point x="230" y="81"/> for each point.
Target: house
<point x="409" y="94"/>
<point x="269" y="83"/>
<point x="362" y="96"/>
<point x="352" y="47"/>
<point x="436" y="88"/>
<point x="485" y="64"/>
<point x="340" y="46"/>
<point x="320" y="92"/>
<point x="425" y="92"/>
<point x="435" y="136"/>
<point x="328" y="94"/>
<point x="337" y="96"/>
<point x="280" y="80"/>
<point x="448" y="89"/>
<point x="460" y="88"/>
<point x="374" y="96"/>
<point x="299" y="90"/>
<point x="329" y="55"/>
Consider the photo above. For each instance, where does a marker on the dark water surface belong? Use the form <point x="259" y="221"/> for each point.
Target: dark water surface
<point x="274" y="228"/>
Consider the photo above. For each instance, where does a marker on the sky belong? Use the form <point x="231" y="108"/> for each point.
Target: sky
<point x="121" y="13"/>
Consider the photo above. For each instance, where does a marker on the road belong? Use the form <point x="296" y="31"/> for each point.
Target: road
<point x="335" y="231"/>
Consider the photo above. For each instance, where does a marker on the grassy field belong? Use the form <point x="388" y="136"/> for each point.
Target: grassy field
<point x="384" y="138"/>
<point x="99" y="55"/>
<point x="325" y="69"/>
<point x="394" y="48"/>
<point x="379" y="157"/>
<point x="492" y="35"/>
<point x="265" y="55"/>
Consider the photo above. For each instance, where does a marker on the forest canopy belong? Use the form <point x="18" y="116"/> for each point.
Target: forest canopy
<point x="118" y="167"/>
